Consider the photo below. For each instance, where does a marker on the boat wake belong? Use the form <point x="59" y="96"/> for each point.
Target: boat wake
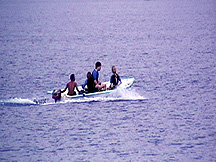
<point x="23" y="102"/>
<point x="17" y="102"/>
<point x="120" y="95"/>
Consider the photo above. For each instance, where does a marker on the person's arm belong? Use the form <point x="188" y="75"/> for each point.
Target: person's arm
<point x="99" y="82"/>
<point x="111" y="85"/>
<point x="95" y="81"/>
<point x="65" y="89"/>
<point x="94" y="75"/>
<point x="77" y="88"/>
<point x="111" y="82"/>
<point x="119" y="80"/>
<point x="86" y="82"/>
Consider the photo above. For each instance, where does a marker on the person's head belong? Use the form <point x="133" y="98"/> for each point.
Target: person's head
<point x="72" y="77"/>
<point x="98" y="66"/>
<point x="89" y="75"/>
<point x="113" y="69"/>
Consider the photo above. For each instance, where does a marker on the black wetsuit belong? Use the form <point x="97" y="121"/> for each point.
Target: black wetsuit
<point x="115" y="78"/>
<point x="91" y="85"/>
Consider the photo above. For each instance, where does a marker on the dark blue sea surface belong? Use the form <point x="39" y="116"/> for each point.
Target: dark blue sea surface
<point x="169" y="114"/>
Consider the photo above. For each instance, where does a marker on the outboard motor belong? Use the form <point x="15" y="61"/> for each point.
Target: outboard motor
<point x="56" y="95"/>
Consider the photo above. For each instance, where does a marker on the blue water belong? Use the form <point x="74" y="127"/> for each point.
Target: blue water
<point x="167" y="46"/>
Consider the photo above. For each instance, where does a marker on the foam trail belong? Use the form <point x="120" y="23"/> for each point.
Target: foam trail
<point x="128" y="94"/>
<point x="23" y="102"/>
<point x="17" y="101"/>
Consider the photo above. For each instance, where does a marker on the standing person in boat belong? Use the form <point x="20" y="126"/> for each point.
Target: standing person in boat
<point x="71" y="86"/>
<point x="95" y="74"/>
<point x="115" y="78"/>
<point x="90" y="84"/>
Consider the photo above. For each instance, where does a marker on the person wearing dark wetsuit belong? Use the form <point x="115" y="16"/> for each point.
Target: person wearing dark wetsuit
<point x="115" y="78"/>
<point x="90" y="84"/>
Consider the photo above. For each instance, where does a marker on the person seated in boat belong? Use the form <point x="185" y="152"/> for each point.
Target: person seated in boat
<point x="71" y="86"/>
<point x="95" y="74"/>
<point x="90" y="84"/>
<point x="115" y="79"/>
